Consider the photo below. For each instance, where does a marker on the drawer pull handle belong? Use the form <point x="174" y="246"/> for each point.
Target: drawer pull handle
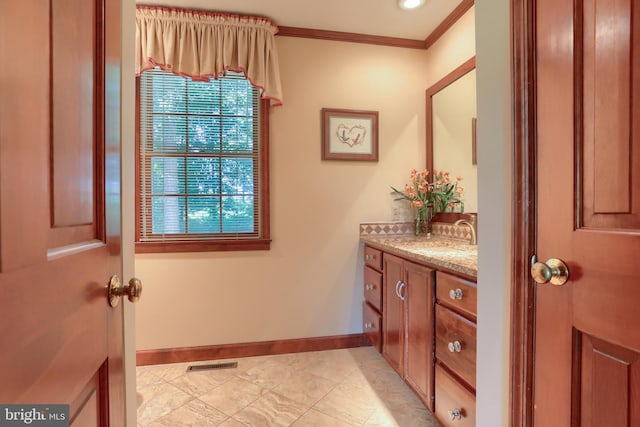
<point x="455" y="347"/>
<point x="402" y="286"/>
<point x="368" y="325"/>
<point x="455" y="414"/>
<point x="456" y="294"/>
<point x="369" y="257"/>
<point x="369" y="287"/>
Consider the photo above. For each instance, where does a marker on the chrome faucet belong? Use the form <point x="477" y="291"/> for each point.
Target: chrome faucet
<point x="473" y="226"/>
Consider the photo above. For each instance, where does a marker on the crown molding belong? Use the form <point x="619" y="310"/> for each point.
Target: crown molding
<point x="349" y="37"/>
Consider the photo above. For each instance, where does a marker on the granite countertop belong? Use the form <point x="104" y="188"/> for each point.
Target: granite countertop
<point x="447" y="254"/>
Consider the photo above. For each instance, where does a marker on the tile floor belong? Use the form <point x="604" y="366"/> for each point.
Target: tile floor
<point x="349" y="387"/>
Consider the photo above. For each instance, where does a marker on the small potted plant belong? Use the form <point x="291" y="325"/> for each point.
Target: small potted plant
<point x="428" y="198"/>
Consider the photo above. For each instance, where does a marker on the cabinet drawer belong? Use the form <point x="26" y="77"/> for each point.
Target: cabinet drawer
<point x="373" y="288"/>
<point x="455" y="405"/>
<point x="371" y="325"/>
<point x="456" y="343"/>
<point x="373" y="258"/>
<point x="457" y="293"/>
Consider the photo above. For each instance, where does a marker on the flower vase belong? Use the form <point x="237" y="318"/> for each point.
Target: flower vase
<point x="423" y="227"/>
<point x="423" y="221"/>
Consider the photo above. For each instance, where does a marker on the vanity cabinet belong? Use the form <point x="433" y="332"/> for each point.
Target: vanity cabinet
<point x="423" y="320"/>
<point x="372" y="304"/>
<point x="455" y="339"/>
<point x="407" y="331"/>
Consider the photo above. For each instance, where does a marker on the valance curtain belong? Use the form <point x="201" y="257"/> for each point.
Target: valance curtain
<point x="204" y="44"/>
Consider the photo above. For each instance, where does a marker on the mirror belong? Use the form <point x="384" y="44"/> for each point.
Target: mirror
<point x="451" y="112"/>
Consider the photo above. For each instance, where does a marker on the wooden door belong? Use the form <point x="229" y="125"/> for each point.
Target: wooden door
<point x="60" y="207"/>
<point x="419" y="304"/>
<point x="393" y="314"/>
<point x="587" y="332"/>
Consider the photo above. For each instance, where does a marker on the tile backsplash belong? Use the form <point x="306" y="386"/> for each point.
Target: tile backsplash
<point x="452" y="231"/>
<point x="392" y="228"/>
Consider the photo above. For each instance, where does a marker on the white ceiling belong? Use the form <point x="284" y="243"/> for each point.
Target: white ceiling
<point x="373" y="17"/>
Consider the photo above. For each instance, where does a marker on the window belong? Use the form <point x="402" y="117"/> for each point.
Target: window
<point x="202" y="164"/>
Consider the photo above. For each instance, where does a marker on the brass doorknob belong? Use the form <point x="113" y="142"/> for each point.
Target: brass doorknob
<point x="554" y="271"/>
<point x="116" y="290"/>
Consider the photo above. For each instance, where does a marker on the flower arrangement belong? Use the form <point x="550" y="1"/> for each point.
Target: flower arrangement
<point x="427" y="198"/>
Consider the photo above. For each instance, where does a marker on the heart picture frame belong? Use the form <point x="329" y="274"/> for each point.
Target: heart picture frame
<point x="349" y="134"/>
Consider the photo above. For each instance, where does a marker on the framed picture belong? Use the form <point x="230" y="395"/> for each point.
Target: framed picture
<point x="349" y="134"/>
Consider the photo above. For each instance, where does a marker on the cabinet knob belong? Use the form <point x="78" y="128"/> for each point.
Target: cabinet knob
<point x="369" y="287"/>
<point x="455" y="414"/>
<point x="456" y="294"/>
<point x="368" y="325"/>
<point x="455" y="347"/>
<point x="369" y="257"/>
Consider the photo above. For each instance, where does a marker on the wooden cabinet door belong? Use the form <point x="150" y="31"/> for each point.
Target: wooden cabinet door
<point x="587" y="332"/>
<point x="60" y="207"/>
<point x="419" y="303"/>
<point x="393" y="314"/>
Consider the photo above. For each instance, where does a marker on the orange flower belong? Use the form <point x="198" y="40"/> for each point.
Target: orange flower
<point x="441" y="193"/>
<point x="410" y="192"/>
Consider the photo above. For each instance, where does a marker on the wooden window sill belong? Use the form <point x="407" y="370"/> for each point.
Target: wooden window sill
<point x="203" y="246"/>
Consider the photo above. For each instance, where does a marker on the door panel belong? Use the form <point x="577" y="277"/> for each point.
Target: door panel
<point x="60" y="207"/>
<point x="393" y="314"/>
<point x="25" y="84"/>
<point x="587" y="333"/>
<point x="86" y="407"/>
<point x="607" y="87"/>
<point x="607" y="384"/>
<point x="419" y="305"/>
<point x="73" y="42"/>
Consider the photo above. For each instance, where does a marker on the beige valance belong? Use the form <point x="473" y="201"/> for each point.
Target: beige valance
<point x="204" y="44"/>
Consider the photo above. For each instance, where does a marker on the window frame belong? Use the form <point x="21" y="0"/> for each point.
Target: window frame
<point x="263" y="242"/>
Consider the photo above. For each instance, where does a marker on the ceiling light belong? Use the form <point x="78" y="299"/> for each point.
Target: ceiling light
<point x="410" y="4"/>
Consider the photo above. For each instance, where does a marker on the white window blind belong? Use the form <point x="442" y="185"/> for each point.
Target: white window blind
<point x="199" y="158"/>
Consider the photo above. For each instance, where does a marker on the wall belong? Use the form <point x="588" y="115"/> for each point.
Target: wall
<point x="309" y="283"/>
<point x="494" y="134"/>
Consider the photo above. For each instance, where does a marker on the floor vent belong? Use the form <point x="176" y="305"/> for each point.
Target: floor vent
<point x="228" y="365"/>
